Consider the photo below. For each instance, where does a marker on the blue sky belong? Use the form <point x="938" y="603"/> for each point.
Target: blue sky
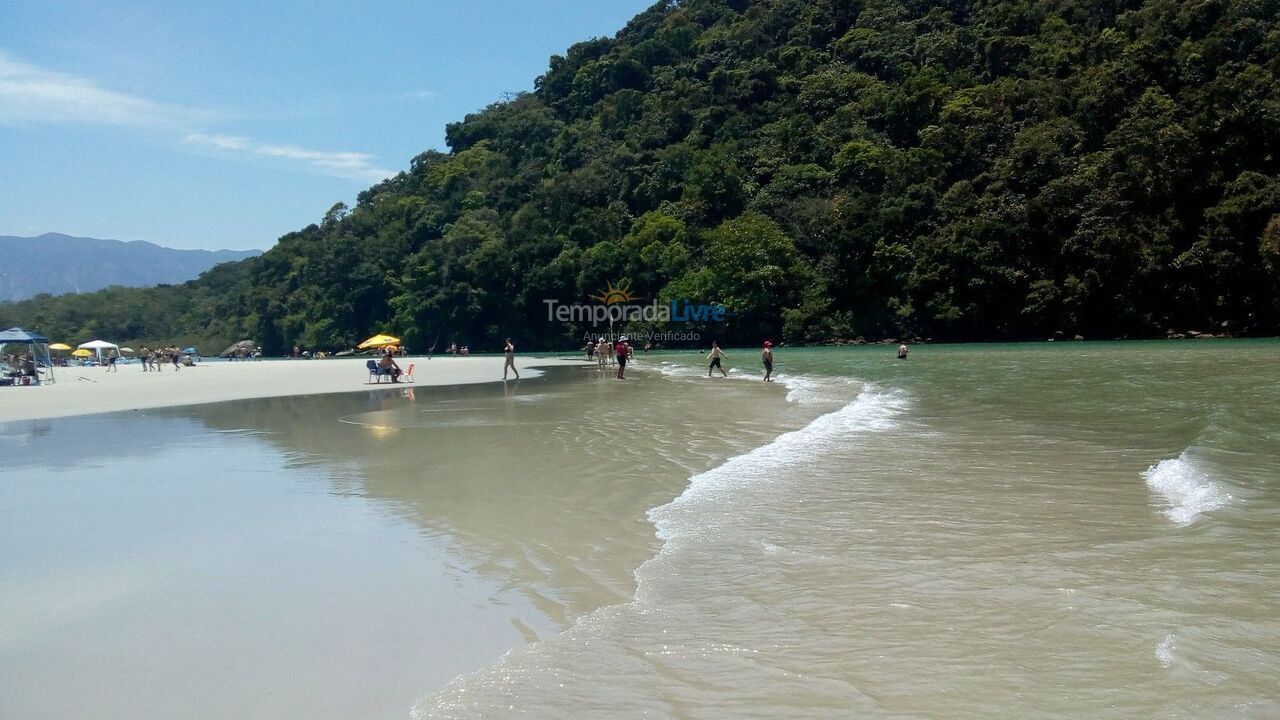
<point x="227" y="124"/>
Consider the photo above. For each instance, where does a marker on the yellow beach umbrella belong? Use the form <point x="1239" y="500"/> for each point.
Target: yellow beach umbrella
<point x="378" y="341"/>
<point x="82" y="353"/>
<point x="59" y="346"/>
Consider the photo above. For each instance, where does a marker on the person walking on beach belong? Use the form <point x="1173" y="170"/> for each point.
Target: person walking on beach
<point x="621" y="351"/>
<point x="766" y="357"/>
<point x="145" y="356"/>
<point x="176" y="356"/>
<point x="510" y="351"/>
<point x="714" y="356"/>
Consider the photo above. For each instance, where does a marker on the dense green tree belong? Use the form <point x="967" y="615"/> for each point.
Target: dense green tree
<point x="823" y="168"/>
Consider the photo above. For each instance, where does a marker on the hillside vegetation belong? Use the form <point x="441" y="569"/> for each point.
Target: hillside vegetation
<point x="825" y="169"/>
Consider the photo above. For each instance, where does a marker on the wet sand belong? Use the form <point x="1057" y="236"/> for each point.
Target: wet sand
<point x="85" y="390"/>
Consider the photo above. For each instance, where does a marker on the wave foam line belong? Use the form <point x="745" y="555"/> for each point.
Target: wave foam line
<point x="1186" y="487"/>
<point x="870" y="411"/>
<point x="709" y="493"/>
<point x="801" y="389"/>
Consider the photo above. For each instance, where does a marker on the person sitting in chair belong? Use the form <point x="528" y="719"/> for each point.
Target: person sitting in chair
<point x="389" y="366"/>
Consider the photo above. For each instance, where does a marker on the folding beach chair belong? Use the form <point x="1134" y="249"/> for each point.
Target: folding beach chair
<point x="375" y="373"/>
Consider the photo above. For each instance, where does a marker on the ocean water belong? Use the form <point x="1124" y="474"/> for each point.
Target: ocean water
<point x="1076" y="530"/>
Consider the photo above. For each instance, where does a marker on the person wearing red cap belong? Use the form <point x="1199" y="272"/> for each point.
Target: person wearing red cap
<point x="766" y="357"/>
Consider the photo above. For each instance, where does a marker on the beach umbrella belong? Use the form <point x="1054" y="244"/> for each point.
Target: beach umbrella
<point x="189" y="351"/>
<point x="378" y="341"/>
<point x="82" y="353"/>
<point x="59" y="346"/>
<point x="127" y="349"/>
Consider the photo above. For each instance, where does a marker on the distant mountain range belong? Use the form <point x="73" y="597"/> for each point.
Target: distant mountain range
<point x="55" y="263"/>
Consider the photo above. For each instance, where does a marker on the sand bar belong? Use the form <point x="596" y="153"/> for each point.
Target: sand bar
<point x="88" y="390"/>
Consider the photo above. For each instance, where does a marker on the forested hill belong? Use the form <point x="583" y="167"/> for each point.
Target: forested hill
<point x="824" y="168"/>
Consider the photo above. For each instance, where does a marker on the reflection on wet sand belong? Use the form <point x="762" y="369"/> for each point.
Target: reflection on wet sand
<point x="543" y="485"/>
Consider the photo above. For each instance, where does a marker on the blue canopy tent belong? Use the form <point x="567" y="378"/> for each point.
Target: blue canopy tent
<point x="39" y="344"/>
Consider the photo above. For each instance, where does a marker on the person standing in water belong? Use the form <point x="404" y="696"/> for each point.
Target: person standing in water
<point x="621" y="352"/>
<point x="902" y="351"/>
<point x="714" y="356"/>
<point x="510" y="351"/>
<point x="766" y="357"/>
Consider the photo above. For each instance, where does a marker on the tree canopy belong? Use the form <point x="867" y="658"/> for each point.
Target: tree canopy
<point x="824" y="168"/>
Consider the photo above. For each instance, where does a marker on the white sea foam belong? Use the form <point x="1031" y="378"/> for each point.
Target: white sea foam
<point x="704" y="506"/>
<point x="1164" y="650"/>
<point x="872" y="410"/>
<point x="1186" y="487"/>
<point x="801" y="389"/>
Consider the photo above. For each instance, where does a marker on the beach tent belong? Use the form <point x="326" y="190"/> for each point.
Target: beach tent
<point x="98" y="346"/>
<point x="246" y="345"/>
<point x="38" y="342"/>
<point x="378" y="341"/>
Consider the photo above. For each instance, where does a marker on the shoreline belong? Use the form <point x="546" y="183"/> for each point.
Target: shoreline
<point x="92" y="390"/>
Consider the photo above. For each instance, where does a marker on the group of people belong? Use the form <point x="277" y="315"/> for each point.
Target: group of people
<point x="716" y="355"/>
<point x="300" y="354"/>
<point x="154" y="360"/>
<point x="609" y="352"/>
<point x="20" y="366"/>
<point x="606" y="352"/>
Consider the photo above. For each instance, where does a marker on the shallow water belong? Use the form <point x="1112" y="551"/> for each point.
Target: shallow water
<point x="1078" y="530"/>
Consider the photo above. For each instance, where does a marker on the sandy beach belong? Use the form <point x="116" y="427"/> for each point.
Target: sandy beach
<point x="89" y="390"/>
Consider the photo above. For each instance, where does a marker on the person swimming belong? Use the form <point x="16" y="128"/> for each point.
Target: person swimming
<point x="903" y="350"/>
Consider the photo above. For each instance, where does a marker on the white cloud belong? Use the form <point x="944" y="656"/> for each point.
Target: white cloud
<point x="354" y="165"/>
<point x="29" y="94"/>
<point x="222" y="142"/>
<point x="33" y="95"/>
